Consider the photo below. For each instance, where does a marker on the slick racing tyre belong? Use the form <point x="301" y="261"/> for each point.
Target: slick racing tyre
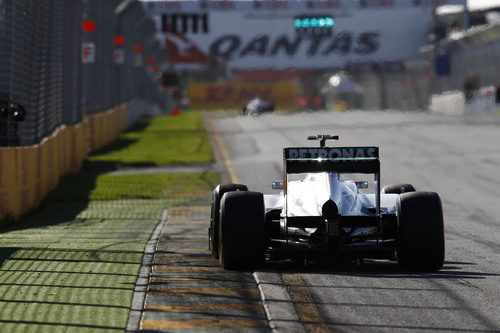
<point x="398" y="188"/>
<point x="213" y="230"/>
<point x="242" y="230"/>
<point x="420" y="231"/>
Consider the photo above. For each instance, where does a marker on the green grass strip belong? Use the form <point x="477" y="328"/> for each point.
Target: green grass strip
<point x="71" y="265"/>
<point x="76" y="270"/>
<point x="84" y="186"/>
<point x="162" y="140"/>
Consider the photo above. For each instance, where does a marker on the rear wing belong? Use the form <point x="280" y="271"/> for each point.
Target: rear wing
<point x="326" y="159"/>
<point x="329" y="159"/>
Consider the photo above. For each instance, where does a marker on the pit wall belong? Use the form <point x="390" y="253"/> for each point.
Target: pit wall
<point x="28" y="173"/>
<point x="234" y="95"/>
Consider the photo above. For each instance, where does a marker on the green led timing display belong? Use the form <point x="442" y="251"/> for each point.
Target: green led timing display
<point x="314" y="22"/>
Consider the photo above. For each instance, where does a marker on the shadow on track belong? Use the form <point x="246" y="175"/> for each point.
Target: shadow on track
<point x="382" y="269"/>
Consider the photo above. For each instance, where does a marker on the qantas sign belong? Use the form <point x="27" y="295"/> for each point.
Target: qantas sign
<point x="268" y="39"/>
<point x="182" y="50"/>
<point x="233" y="46"/>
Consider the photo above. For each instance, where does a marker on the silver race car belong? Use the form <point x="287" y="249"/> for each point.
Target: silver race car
<point x="257" y="105"/>
<point x="323" y="210"/>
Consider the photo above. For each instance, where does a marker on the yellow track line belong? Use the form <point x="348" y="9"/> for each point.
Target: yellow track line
<point x="223" y="150"/>
<point x="204" y="278"/>
<point x="205" y="307"/>
<point x="186" y="269"/>
<point x="202" y="323"/>
<point x="212" y="291"/>
<point x="304" y="302"/>
<point x="180" y="260"/>
<point x="178" y="250"/>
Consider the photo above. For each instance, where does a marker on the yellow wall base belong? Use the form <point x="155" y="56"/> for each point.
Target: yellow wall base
<point x="28" y="173"/>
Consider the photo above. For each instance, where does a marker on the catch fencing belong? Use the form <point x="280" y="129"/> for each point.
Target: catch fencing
<point x="73" y="75"/>
<point x="61" y="60"/>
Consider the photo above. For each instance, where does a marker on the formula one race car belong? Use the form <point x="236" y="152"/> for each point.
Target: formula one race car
<point x="257" y="105"/>
<point x="322" y="212"/>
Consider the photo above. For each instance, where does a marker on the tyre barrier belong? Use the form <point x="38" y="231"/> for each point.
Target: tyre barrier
<point x="28" y="173"/>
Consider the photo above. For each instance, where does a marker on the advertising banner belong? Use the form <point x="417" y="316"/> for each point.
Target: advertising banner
<point x="245" y="36"/>
<point x="235" y="95"/>
<point x="357" y="37"/>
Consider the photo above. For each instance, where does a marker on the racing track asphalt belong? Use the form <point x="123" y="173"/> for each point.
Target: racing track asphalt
<point x="457" y="157"/>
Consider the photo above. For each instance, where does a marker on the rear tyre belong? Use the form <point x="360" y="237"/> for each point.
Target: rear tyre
<point x="420" y="231"/>
<point x="213" y="229"/>
<point x="398" y="188"/>
<point x="242" y="230"/>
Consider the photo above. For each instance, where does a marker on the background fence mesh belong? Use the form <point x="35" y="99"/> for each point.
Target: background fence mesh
<point x="41" y="67"/>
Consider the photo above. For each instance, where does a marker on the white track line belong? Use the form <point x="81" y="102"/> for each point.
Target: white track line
<point x="141" y="285"/>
